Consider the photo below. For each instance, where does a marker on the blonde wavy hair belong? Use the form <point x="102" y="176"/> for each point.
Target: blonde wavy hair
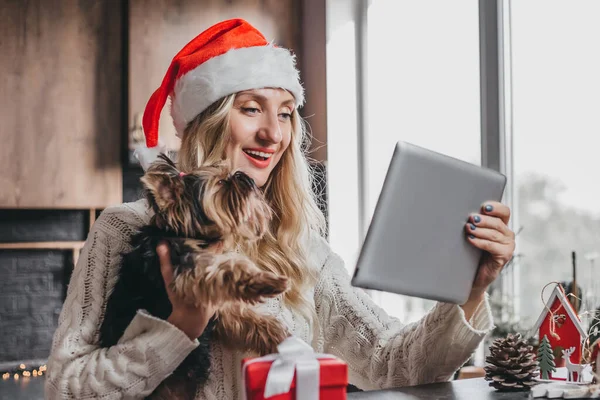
<point x="283" y="250"/>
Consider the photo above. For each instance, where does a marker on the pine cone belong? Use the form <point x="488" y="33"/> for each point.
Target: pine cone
<point x="512" y="365"/>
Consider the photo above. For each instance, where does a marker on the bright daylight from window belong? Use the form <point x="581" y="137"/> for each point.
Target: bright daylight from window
<point x="423" y="81"/>
<point x="423" y="87"/>
<point x="556" y="98"/>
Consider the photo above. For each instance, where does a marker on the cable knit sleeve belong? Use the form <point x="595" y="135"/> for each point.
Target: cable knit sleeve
<point x="380" y="351"/>
<point x="150" y="348"/>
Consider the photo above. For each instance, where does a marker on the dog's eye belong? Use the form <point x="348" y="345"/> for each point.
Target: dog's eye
<point x="222" y="182"/>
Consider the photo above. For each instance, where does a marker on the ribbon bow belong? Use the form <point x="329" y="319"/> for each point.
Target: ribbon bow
<point x="294" y="356"/>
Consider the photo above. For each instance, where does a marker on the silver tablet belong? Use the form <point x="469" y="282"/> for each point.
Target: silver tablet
<point x="416" y="243"/>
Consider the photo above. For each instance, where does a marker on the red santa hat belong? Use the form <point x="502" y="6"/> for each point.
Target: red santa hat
<point x="227" y="58"/>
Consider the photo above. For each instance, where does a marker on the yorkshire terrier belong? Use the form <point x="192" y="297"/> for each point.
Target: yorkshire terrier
<point x="204" y="216"/>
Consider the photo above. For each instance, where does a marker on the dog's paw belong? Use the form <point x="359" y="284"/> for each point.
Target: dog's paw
<point x="237" y="278"/>
<point x="261" y="285"/>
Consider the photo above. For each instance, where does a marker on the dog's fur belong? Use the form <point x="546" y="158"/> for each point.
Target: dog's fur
<point x="203" y="216"/>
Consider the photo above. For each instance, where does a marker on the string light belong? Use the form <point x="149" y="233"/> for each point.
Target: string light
<point x="23" y="371"/>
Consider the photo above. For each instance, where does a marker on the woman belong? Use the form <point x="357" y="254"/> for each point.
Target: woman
<point x="235" y="97"/>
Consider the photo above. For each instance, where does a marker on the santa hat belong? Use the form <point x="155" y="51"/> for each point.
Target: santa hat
<point x="227" y="58"/>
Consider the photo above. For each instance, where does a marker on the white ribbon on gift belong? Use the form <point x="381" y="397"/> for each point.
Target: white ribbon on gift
<point x="294" y="356"/>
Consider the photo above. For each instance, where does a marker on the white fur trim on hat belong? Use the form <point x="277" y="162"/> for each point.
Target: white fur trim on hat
<point x="147" y="156"/>
<point x="237" y="70"/>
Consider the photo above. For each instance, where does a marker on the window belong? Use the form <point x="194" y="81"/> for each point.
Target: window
<point x="540" y="107"/>
<point x="342" y="153"/>
<point x="556" y="142"/>
<point x="423" y="87"/>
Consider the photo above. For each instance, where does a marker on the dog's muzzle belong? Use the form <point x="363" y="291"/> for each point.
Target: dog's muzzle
<point x="243" y="180"/>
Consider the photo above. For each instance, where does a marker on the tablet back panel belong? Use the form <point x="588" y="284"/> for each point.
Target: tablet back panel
<point x="416" y="243"/>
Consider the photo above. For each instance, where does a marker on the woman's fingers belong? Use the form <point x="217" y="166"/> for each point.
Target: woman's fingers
<point x="166" y="268"/>
<point x="496" y="249"/>
<point x="485" y="221"/>
<point x="496" y="209"/>
<point x="190" y="319"/>
<point x="490" y="234"/>
<point x="497" y="240"/>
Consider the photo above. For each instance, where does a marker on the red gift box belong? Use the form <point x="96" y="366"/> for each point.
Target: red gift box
<point x="333" y="379"/>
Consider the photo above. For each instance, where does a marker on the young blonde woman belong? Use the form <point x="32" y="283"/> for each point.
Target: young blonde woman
<point x="234" y="96"/>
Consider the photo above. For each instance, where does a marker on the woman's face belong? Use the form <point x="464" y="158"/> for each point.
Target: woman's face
<point x="261" y="130"/>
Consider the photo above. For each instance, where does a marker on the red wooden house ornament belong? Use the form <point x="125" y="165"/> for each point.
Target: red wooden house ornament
<point x="562" y="327"/>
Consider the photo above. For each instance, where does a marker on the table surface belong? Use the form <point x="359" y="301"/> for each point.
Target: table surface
<point x="465" y="389"/>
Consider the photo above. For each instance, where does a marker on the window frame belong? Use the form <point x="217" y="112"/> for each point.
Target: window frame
<point x="495" y="115"/>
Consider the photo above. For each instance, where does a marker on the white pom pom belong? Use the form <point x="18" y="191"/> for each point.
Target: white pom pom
<point x="147" y="156"/>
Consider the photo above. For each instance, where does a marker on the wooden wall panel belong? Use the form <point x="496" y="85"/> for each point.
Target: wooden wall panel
<point x="60" y="103"/>
<point x="158" y="29"/>
<point x="313" y="68"/>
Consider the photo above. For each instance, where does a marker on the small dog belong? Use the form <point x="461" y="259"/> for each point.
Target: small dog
<point x="203" y="216"/>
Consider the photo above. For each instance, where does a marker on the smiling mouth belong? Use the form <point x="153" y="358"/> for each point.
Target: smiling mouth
<point x="258" y="155"/>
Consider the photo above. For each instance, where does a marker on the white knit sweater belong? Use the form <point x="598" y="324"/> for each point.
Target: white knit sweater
<point x="380" y="351"/>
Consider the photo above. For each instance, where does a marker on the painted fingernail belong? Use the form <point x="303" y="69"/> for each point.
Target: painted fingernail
<point x="472" y="236"/>
<point x="477" y="219"/>
<point x="472" y="227"/>
<point x="489" y="208"/>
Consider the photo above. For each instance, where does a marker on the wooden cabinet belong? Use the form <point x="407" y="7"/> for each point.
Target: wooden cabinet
<point x="75" y="77"/>
<point x="158" y="29"/>
<point x="60" y="103"/>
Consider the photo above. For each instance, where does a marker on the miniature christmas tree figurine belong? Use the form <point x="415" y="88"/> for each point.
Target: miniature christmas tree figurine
<point x="511" y="366"/>
<point x="546" y="358"/>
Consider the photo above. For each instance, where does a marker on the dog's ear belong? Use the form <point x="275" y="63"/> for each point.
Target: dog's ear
<point x="163" y="184"/>
<point x="162" y="190"/>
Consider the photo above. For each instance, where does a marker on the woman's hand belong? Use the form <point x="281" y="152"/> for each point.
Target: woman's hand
<point x="488" y="231"/>
<point x="188" y="318"/>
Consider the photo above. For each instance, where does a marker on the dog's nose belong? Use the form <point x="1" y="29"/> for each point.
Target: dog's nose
<point x="243" y="179"/>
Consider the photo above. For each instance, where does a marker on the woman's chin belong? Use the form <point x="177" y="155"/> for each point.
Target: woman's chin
<point x="259" y="181"/>
<point x="258" y="176"/>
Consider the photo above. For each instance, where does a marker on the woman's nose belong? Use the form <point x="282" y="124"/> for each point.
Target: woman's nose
<point x="270" y="129"/>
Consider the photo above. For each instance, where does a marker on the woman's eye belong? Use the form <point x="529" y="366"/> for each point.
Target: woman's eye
<point x="285" y="116"/>
<point x="250" y="110"/>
